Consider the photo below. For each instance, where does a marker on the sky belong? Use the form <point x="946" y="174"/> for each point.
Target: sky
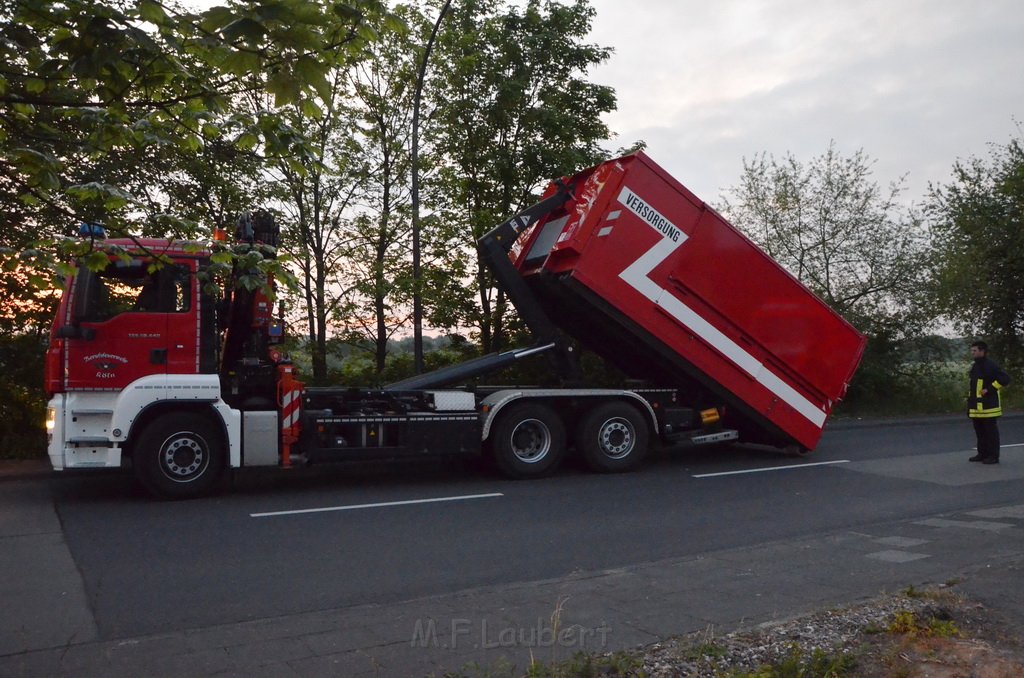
<point x="916" y="84"/>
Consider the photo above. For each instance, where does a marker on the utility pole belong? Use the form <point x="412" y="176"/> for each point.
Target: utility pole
<point x="417" y="298"/>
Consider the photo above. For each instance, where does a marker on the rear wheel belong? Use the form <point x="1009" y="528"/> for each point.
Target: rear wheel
<point x="527" y="440"/>
<point x="179" y="455"/>
<point x="613" y="438"/>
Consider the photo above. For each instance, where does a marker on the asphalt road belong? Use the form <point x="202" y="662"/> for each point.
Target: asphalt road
<point x="281" y="544"/>
<point x="152" y="566"/>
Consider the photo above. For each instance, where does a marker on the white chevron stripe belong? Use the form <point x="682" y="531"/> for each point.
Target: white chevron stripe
<point x="637" y="276"/>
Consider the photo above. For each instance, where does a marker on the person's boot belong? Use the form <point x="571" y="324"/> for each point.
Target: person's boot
<point x="977" y="457"/>
<point x="990" y="460"/>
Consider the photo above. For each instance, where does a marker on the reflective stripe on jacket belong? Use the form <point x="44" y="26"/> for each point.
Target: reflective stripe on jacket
<point x="985" y="375"/>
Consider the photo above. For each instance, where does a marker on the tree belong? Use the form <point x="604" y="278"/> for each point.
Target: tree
<point x="846" y="238"/>
<point x="317" y="193"/>
<point x="85" y="81"/>
<point x="345" y="226"/>
<point x="833" y="227"/>
<point x="378" y="263"/>
<point x="511" y="109"/>
<point x="977" y="226"/>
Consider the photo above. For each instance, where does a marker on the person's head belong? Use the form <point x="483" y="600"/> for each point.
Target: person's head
<point x="979" y="349"/>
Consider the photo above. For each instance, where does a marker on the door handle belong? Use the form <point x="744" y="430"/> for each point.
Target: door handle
<point x="158" y="356"/>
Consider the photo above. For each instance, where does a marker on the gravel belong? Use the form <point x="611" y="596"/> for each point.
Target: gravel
<point x="834" y="632"/>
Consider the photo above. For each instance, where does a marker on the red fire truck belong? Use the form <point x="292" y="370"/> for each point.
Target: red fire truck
<point x="146" y="369"/>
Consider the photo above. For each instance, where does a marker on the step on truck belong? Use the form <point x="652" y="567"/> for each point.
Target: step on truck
<point x="146" y="368"/>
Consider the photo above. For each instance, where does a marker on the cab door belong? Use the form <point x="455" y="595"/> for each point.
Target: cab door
<point x="130" y="323"/>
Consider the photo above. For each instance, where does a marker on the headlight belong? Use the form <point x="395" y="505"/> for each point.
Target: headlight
<point x="51" y="419"/>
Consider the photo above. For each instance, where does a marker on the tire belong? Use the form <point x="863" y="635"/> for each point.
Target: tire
<point x="613" y="438"/>
<point x="527" y="441"/>
<point x="178" y="456"/>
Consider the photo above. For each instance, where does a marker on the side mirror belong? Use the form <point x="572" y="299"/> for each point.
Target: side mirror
<point x="86" y="288"/>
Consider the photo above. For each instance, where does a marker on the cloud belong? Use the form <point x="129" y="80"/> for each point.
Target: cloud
<point x="915" y="83"/>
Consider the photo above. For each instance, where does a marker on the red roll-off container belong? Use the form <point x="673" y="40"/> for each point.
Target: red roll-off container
<point x="645" y="274"/>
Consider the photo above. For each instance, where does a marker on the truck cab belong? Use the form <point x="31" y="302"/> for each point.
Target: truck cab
<point x="136" y="352"/>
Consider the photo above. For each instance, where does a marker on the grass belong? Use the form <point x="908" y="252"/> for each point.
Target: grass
<point x="587" y="665"/>
<point x="797" y="664"/>
<point x="906" y="623"/>
<point x="580" y="665"/>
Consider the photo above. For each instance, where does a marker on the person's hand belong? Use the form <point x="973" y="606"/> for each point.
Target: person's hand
<point x="984" y="391"/>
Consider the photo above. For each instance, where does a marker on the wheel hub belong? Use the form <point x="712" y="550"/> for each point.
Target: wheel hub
<point x="616" y="438"/>
<point x="183" y="456"/>
<point x="531" y="441"/>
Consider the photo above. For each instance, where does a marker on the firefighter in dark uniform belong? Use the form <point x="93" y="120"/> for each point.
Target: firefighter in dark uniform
<point x="984" y="402"/>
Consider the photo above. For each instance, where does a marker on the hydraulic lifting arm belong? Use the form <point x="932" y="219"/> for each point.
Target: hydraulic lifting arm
<point x="494" y="247"/>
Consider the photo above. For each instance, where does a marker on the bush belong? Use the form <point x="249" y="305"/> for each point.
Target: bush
<point x="22" y="400"/>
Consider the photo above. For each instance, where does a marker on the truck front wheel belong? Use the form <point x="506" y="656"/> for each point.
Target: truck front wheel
<point x="528" y="440"/>
<point x="613" y="438"/>
<point x="179" y="455"/>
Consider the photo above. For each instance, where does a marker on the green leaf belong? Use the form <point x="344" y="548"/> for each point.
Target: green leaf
<point x="367" y="32"/>
<point x="347" y="12"/>
<point x="249" y="282"/>
<point x="216" y="18"/>
<point x="35" y="85"/>
<point x="310" y="109"/>
<point x="284" y="87"/>
<point x="395" y="23"/>
<point x="247" y="141"/>
<point x="152" y="12"/>
<point x="211" y="131"/>
<point x="113" y="197"/>
<point x="64" y="268"/>
<point x="313" y="72"/>
<point x="238" y="62"/>
<point x="246" y="27"/>
<point x="96" y="260"/>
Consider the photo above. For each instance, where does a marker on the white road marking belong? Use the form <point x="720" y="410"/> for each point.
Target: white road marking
<point x="770" y="468"/>
<point x="986" y="525"/>
<point x="783" y="468"/>
<point x="352" y="507"/>
<point x="902" y="542"/>
<point x="1002" y="512"/>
